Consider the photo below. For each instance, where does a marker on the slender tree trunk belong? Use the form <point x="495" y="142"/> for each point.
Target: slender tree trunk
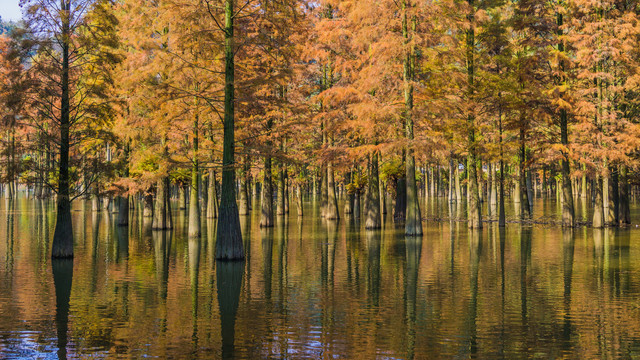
<point x="568" y="212"/>
<point x="266" y="214"/>
<point x="212" y="197"/>
<point x="399" y="210"/>
<point x="147" y="210"/>
<point x="280" y="205"/>
<point x="452" y="193"/>
<point x="123" y="210"/>
<point x="63" y="234"/>
<point x="162" y="210"/>
<point x="625" y="214"/>
<point x="324" y="195"/>
<point x="244" y="189"/>
<point x="299" y="200"/>
<point x="613" y="198"/>
<point x="229" y="242"/>
<point x="332" y="201"/>
<point x="383" y="201"/>
<point x="348" y="205"/>
<point x="598" y="215"/>
<point x="286" y="191"/>
<point x="522" y="182"/>
<point x="474" y="208"/>
<point x="373" y="219"/>
<point x="413" y="221"/>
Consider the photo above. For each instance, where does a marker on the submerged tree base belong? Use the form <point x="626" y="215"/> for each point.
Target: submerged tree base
<point x="63" y="235"/>
<point x="229" y="237"/>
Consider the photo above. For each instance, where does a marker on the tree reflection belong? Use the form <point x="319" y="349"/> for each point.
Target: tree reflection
<point x="373" y="279"/>
<point x="267" y="261"/>
<point x="475" y="251"/>
<point x="194" y="267"/>
<point x="413" y="249"/>
<point x="62" y="280"/>
<point x="525" y="260"/>
<point x="229" y="281"/>
<point x="568" y="242"/>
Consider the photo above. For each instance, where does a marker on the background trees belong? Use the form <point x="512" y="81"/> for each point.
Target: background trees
<point x="379" y="105"/>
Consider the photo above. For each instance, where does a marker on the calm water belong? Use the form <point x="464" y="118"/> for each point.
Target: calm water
<point x="312" y="289"/>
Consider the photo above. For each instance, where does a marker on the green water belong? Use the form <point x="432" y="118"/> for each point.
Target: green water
<point x="316" y="289"/>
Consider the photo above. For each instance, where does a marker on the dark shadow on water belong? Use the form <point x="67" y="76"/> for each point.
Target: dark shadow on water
<point x="62" y="280"/>
<point x="229" y="282"/>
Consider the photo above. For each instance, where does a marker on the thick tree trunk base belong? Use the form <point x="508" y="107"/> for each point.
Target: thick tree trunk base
<point x="229" y="237"/>
<point x="63" y="233"/>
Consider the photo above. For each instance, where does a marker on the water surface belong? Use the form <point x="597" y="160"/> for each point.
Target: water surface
<point x="317" y="289"/>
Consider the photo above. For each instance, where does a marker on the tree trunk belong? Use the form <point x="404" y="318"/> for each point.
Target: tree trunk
<point x="625" y="190"/>
<point x="568" y="212"/>
<point x="474" y="208"/>
<point x="244" y="190"/>
<point x="348" y="205"/>
<point x="612" y="191"/>
<point x="522" y="181"/>
<point x="299" y="200"/>
<point x="229" y="237"/>
<point x="286" y="191"/>
<point x="162" y="209"/>
<point x="280" y="205"/>
<point x="63" y="234"/>
<point x="400" y="208"/>
<point x="194" y="203"/>
<point x="123" y="211"/>
<point x="266" y="214"/>
<point x="332" y="202"/>
<point x="452" y="193"/>
<point x="373" y="219"/>
<point x="147" y="210"/>
<point x="598" y="215"/>
<point x="212" y="197"/>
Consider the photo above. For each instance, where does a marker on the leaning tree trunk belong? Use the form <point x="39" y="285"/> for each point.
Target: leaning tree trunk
<point x="373" y="219"/>
<point x="229" y="240"/>
<point x="63" y="234"/>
